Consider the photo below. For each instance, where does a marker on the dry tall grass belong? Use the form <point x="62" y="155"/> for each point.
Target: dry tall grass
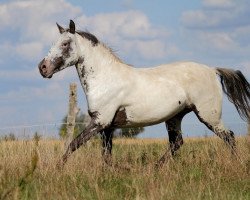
<point x="203" y="169"/>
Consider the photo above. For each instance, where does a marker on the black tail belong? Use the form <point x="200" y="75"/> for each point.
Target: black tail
<point x="237" y="89"/>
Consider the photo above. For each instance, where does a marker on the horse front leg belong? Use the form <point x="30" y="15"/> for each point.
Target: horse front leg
<point x="107" y="136"/>
<point x="92" y="129"/>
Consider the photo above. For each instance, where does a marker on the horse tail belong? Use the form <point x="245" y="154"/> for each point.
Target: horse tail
<point x="237" y="89"/>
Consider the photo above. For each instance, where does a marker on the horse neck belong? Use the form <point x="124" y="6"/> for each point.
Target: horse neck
<point x="98" y="56"/>
<point x="97" y="62"/>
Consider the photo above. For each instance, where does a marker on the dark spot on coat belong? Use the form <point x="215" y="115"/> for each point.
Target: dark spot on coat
<point x="86" y="85"/>
<point x="179" y="102"/>
<point x="66" y="48"/>
<point x="120" y="117"/>
<point x="80" y="60"/>
<point x="58" y="62"/>
<point x="93" y="115"/>
<point x="91" y="70"/>
<point x="84" y="75"/>
<point x="83" y="72"/>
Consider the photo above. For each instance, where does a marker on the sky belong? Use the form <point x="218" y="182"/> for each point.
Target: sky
<point x="143" y="33"/>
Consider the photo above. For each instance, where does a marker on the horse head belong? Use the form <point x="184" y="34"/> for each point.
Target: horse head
<point x="62" y="54"/>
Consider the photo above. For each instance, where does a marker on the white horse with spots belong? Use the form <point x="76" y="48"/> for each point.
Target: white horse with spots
<point x="120" y="95"/>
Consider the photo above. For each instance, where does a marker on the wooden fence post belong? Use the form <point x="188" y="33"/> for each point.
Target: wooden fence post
<point x="72" y="113"/>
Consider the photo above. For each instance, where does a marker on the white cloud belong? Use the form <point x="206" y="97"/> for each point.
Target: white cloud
<point x="35" y="23"/>
<point x="217" y="14"/>
<point x="204" y="19"/>
<point x="219" y="3"/>
<point x="131" y="32"/>
<point x="219" y="27"/>
<point x="30" y="50"/>
<point x="129" y="24"/>
<point x="32" y="93"/>
<point x="221" y="41"/>
<point x="150" y="49"/>
<point x="17" y="74"/>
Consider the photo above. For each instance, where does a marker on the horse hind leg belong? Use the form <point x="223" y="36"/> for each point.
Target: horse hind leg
<point x="175" y="140"/>
<point x="227" y="136"/>
<point x="175" y="136"/>
<point x="213" y="121"/>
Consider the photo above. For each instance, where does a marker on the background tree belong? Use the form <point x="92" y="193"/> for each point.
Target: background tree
<point x="129" y="132"/>
<point x="10" y="137"/>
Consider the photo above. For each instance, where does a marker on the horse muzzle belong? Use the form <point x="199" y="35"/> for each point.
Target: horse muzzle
<point x="46" y="68"/>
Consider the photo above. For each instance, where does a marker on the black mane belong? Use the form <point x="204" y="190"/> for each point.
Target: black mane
<point x="89" y="37"/>
<point x="93" y="39"/>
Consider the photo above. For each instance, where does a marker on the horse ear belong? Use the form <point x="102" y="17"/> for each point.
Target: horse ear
<point x="72" y="27"/>
<point x="61" y="29"/>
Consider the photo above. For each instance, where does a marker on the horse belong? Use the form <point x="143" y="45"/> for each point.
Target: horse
<point x="120" y="95"/>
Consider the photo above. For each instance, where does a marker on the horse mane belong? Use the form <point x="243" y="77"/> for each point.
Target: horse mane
<point x="113" y="53"/>
<point x="89" y="37"/>
<point x="93" y="39"/>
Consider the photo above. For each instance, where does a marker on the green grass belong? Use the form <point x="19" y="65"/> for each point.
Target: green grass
<point x="203" y="169"/>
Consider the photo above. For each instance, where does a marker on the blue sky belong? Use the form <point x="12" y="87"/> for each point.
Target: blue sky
<point x="143" y="33"/>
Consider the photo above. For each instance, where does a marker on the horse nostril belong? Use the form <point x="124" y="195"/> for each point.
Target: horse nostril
<point x="43" y="66"/>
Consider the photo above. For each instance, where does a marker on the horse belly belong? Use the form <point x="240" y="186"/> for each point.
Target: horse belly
<point x="156" y="107"/>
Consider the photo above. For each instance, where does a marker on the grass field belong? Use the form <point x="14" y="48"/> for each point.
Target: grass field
<point x="203" y="169"/>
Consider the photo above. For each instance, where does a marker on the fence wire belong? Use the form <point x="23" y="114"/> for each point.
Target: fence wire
<point x="51" y="130"/>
